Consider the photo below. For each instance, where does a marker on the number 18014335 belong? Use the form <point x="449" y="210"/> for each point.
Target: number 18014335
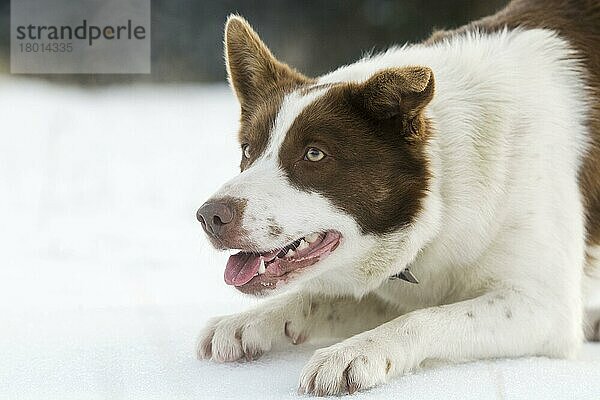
<point x="46" y="47"/>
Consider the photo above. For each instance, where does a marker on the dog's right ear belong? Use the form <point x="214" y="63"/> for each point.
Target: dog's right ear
<point x="396" y="92"/>
<point x="252" y="70"/>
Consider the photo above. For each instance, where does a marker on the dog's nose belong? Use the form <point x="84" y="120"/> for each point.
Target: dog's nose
<point x="214" y="216"/>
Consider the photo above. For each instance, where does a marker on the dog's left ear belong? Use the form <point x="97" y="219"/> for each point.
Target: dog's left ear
<point x="252" y="69"/>
<point x="396" y="92"/>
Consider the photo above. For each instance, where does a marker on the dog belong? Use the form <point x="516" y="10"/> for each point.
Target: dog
<point x="437" y="201"/>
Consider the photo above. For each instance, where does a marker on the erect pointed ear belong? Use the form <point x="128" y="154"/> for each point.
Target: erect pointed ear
<point x="253" y="71"/>
<point x="396" y="92"/>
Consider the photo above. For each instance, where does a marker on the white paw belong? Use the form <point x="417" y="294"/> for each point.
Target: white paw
<point x="353" y="365"/>
<point x="244" y="336"/>
<point x="233" y="337"/>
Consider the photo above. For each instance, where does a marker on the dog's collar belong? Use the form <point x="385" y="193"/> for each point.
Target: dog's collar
<point x="405" y="275"/>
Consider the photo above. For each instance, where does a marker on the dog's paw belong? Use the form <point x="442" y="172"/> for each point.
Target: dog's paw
<point x="245" y="336"/>
<point x="235" y="337"/>
<point x="346" y="367"/>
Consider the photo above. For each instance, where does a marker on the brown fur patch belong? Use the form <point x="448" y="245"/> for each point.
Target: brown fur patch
<point x="274" y="228"/>
<point x="253" y="71"/>
<point x="255" y="128"/>
<point x="260" y="82"/>
<point x="375" y="167"/>
<point x="397" y="91"/>
<point x="578" y="21"/>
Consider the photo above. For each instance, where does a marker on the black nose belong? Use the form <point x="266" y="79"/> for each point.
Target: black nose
<point x="214" y="216"/>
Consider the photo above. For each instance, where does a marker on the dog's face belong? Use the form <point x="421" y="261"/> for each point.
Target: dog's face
<point x="328" y="171"/>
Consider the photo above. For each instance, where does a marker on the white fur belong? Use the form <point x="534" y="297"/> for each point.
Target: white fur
<point x="499" y="247"/>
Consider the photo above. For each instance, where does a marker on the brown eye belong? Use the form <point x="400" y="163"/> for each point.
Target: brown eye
<point x="314" y="154"/>
<point x="246" y="150"/>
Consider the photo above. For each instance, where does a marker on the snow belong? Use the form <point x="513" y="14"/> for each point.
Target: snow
<point x="107" y="277"/>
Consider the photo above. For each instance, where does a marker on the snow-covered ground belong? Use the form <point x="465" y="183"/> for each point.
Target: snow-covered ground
<point x="107" y="278"/>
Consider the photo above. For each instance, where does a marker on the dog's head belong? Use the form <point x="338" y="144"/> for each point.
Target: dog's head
<point x="332" y="175"/>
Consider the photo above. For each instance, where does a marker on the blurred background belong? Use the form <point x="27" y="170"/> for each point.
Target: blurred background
<point x="312" y="35"/>
<point x="106" y="277"/>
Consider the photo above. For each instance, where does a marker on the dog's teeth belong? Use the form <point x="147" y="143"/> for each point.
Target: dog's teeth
<point x="290" y="253"/>
<point x="303" y="245"/>
<point x="262" y="268"/>
<point x="312" y="237"/>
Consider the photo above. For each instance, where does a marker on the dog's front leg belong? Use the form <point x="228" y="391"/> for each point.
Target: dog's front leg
<point x="497" y="324"/>
<point x="294" y="318"/>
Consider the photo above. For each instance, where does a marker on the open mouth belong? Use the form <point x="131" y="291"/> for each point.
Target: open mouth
<point x="252" y="272"/>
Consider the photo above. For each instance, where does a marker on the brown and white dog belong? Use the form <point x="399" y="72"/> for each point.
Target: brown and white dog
<point x="473" y="159"/>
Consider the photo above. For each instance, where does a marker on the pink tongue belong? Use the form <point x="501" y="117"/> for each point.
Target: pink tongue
<point x="241" y="268"/>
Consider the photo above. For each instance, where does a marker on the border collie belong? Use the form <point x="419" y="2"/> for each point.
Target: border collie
<point x="438" y="201"/>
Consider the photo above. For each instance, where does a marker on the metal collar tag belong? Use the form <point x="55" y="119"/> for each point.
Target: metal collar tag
<point x="405" y="275"/>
